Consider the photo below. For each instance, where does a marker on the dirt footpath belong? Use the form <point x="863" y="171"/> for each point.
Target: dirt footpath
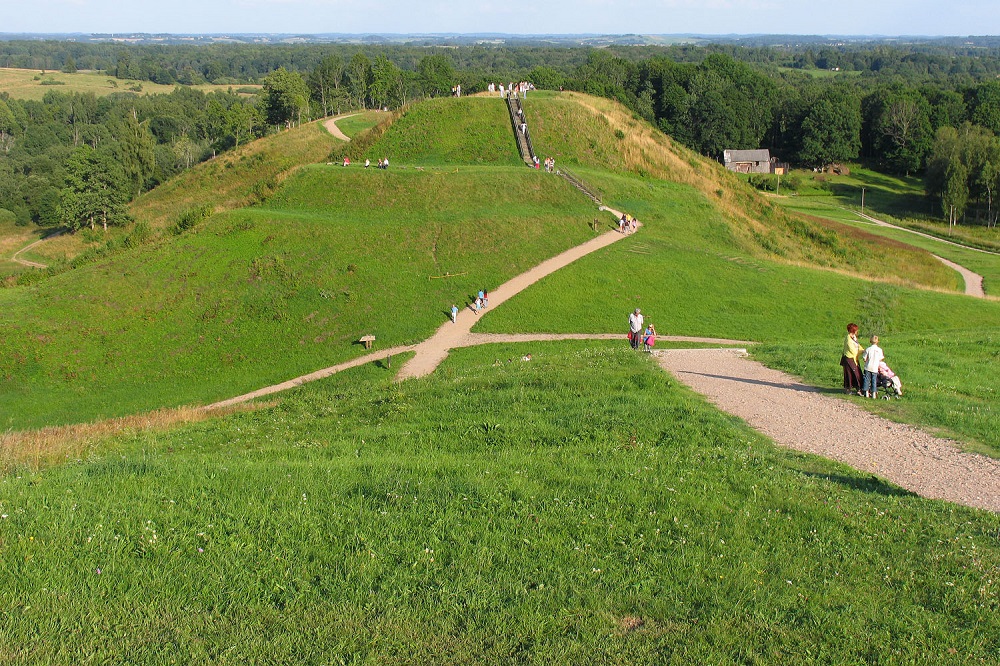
<point x="806" y="418"/>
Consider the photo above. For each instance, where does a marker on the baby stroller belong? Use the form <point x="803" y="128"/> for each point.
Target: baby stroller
<point x="888" y="383"/>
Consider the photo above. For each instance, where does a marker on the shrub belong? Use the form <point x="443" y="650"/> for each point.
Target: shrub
<point x="192" y="217"/>
<point x="140" y="235"/>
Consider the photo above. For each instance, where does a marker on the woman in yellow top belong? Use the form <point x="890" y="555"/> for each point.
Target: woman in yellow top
<point x="849" y="361"/>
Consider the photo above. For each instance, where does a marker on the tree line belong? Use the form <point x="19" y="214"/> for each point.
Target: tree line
<point x="945" y="130"/>
<point x="77" y="159"/>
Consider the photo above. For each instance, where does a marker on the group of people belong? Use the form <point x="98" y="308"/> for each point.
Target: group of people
<point x="627" y="224"/>
<point x="520" y="88"/>
<point x="638" y="334"/>
<point x="872" y="359"/>
<point x="481" y="302"/>
<point x="382" y="163"/>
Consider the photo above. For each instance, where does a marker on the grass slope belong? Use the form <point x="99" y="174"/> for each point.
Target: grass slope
<point x="595" y="134"/>
<point x="240" y="178"/>
<point x="985" y="264"/>
<point x="261" y="295"/>
<point x="689" y="277"/>
<point x="469" y="130"/>
<point x="581" y="508"/>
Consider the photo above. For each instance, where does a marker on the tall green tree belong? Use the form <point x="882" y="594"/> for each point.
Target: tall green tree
<point x="956" y="189"/>
<point x="97" y="190"/>
<point x="285" y="97"/>
<point x="387" y="83"/>
<point x="986" y="106"/>
<point x="7" y="126"/>
<point x="135" y="152"/>
<point x="325" y="81"/>
<point x="436" y="75"/>
<point x="242" y="121"/>
<point x="831" y="131"/>
<point x="359" y="78"/>
<point x="901" y="130"/>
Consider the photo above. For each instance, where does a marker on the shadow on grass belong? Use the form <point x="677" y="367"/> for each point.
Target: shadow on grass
<point x="804" y="388"/>
<point x="869" y="484"/>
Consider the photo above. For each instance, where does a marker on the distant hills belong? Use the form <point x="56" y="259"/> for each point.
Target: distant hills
<point x="502" y="39"/>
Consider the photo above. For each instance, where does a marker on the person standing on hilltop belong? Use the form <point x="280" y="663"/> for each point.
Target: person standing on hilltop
<point x="635" y="328"/>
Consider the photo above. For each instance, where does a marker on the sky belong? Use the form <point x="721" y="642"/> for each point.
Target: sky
<point x="708" y="17"/>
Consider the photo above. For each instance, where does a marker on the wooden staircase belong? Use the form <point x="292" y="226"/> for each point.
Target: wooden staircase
<point x="523" y="138"/>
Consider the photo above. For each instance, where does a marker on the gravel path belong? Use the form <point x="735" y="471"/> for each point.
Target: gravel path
<point x="33" y="264"/>
<point x="432" y="351"/>
<point x="331" y="126"/>
<point x="809" y="419"/>
<point x="973" y="281"/>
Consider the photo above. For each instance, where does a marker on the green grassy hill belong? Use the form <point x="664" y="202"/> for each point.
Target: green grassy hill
<point x="468" y="131"/>
<point x="582" y="507"/>
<point x="260" y="295"/>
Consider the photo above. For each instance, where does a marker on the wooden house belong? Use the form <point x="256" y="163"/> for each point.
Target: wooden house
<point x="748" y="161"/>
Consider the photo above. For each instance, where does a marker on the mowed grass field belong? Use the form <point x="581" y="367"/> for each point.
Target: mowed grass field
<point x="33" y="84"/>
<point x="581" y="507"/>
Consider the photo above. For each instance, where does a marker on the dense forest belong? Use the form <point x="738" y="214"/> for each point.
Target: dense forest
<point x="76" y="159"/>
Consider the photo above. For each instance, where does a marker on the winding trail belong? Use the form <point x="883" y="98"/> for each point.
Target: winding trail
<point x="810" y="419"/>
<point x="795" y="415"/>
<point x="331" y="126"/>
<point x="431" y="352"/>
<point x="973" y="281"/>
<point x="33" y="264"/>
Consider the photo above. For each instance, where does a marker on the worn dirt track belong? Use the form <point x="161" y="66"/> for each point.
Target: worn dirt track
<point x="795" y="415"/>
<point x="973" y="281"/>
<point x="432" y="351"/>
<point x="331" y="126"/>
<point x="806" y="418"/>
<point x="33" y="264"/>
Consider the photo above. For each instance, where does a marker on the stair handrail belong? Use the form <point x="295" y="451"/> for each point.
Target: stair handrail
<point x="577" y="182"/>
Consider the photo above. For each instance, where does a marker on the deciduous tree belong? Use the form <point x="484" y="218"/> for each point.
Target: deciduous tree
<point x="285" y="97"/>
<point x="96" y="191"/>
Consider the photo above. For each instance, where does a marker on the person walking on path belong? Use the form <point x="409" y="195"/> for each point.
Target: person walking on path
<point x="849" y="361"/>
<point x="635" y="328"/>
<point x="454" y="314"/>
<point x="872" y="357"/>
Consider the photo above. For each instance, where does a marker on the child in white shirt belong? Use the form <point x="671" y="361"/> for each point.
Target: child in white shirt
<point x="872" y="357"/>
